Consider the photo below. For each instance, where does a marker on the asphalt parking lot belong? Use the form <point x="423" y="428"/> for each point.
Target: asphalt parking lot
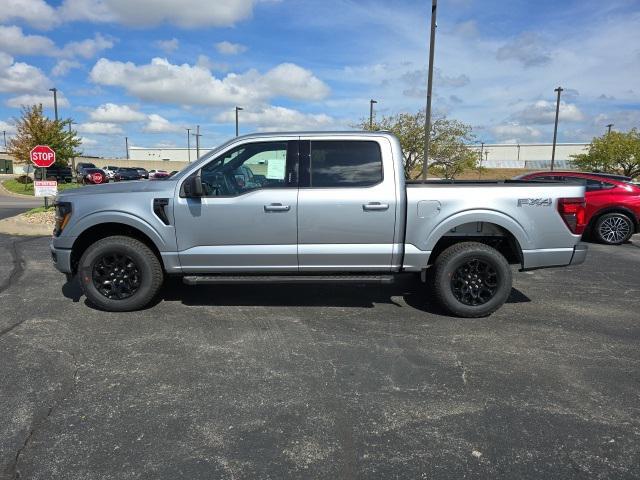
<point x="321" y="382"/>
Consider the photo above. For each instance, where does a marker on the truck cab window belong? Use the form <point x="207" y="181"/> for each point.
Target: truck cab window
<point x="245" y="168"/>
<point x="345" y="164"/>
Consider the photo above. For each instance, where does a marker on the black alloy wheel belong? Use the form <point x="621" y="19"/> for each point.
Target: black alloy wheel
<point x="116" y="276"/>
<point x="474" y="282"/>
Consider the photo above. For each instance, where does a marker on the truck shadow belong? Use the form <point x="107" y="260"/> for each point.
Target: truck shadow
<point x="414" y="293"/>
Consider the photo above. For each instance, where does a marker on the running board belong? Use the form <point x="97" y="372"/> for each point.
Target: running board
<point x="247" y="279"/>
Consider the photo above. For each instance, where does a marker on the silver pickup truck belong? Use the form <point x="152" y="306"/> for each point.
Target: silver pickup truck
<point x="313" y="207"/>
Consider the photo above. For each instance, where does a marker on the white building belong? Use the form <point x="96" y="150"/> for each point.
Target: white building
<point x="166" y="154"/>
<point x="527" y="155"/>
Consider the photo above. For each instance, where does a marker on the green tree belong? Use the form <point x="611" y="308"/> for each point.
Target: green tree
<point x="448" y="152"/>
<point x="615" y="152"/>
<point x="33" y="128"/>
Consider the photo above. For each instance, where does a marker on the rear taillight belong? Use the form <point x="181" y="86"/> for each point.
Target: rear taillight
<point x="573" y="212"/>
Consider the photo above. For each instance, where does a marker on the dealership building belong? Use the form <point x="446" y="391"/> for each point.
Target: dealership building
<point x="531" y="156"/>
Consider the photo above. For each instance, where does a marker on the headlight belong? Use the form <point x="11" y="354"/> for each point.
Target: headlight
<point x="63" y="214"/>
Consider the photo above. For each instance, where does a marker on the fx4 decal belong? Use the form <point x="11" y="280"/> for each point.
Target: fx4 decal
<point x="535" y="202"/>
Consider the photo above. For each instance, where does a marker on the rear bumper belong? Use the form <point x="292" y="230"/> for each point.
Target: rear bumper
<point x="554" y="257"/>
<point x="579" y="254"/>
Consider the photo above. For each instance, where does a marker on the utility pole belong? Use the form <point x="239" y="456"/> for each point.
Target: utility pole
<point x="608" y="132"/>
<point x="55" y="101"/>
<point x="555" y="128"/>
<point x="371" y="102"/>
<point x="237" y="110"/>
<point x="188" y="145"/>
<point x="126" y="146"/>
<point x="427" y="119"/>
<point x="4" y="134"/>
<point x="197" y="135"/>
<point x="518" y="153"/>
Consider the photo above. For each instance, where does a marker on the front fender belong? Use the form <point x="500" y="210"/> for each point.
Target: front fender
<point x="162" y="240"/>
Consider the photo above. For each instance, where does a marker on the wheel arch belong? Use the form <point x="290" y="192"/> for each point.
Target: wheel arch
<point x="613" y="209"/>
<point x="108" y="229"/>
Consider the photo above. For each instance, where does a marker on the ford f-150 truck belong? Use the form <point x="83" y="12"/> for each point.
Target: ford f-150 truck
<point x="313" y="207"/>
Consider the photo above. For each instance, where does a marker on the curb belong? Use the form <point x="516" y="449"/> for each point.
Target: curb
<point x="8" y="193"/>
<point x="17" y="226"/>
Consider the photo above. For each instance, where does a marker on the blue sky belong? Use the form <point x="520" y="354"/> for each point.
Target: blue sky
<point x="148" y="69"/>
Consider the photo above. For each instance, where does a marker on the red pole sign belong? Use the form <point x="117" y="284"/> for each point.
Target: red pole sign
<point x="42" y="156"/>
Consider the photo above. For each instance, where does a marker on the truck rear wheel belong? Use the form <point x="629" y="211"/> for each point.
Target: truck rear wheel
<point x="120" y="274"/>
<point x="472" y="279"/>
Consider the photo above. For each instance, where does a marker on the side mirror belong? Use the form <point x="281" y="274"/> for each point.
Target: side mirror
<point x="192" y="186"/>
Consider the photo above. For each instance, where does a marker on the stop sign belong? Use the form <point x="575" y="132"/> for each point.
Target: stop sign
<point x="42" y="156"/>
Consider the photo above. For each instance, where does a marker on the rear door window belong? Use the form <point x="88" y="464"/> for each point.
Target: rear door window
<point x="345" y="163"/>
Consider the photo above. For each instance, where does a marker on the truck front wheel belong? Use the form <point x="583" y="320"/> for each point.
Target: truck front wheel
<point x="120" y="274"/>
<point x="472" y="279"/>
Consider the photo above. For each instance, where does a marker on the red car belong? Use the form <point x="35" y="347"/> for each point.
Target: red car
<point x="613" y="203"/>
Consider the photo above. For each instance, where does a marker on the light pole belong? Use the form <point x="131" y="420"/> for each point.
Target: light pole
<point x="518" y="153"/>
<point x="126" y="146"/>
<point x="188" y="145"/>
<point x="480" y="163"/>
<point x="55" y="101"/>
<point x="427" y="119"/>
<point x="237" y="110"/>
<point x="4" y="134"/>
<point x="555" y="128"/>
<point x="197" y="135"/>
<point x="371" y="102"/>
<point x="608" y="131"/>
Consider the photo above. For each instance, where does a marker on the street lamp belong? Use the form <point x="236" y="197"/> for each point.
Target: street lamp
<point x="555" y="128"/>
<point x="427" y="119"/>
<point x="371" y="102"/>
<point x="55" y="101"/>
<point x="4" y="134"/>
<point x="126" y="146"/>
<point x="608" y="128"/>
<point x="197" y="135"/>
<point x="237" y="110"/>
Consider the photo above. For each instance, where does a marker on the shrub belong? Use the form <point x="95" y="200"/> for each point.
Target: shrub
<point x="24" y="179"/>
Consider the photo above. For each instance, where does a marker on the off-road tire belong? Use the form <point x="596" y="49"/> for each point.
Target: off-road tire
<point x="147" y="263"/>
<point x="454" y="258"/>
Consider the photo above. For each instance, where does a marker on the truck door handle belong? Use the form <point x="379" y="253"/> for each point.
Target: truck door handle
<point x="375" y="206"/>
<point x="276" y="207"/>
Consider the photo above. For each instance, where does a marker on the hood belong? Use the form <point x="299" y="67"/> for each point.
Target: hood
<point x="165" y="186"/>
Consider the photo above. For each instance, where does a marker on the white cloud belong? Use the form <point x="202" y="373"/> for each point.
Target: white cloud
<point x="514" y="132"/>
<point x="36" y="99"/>
<point x="112" y="113"/>
<point x="189" y="14"/>
<point x="62" y="67"/>
<point x="527" y="48"/>
<point x="87" y="48"/>
<point x="184" y="84"/>
<point x="205" y="62"/>
<point x="99" y="128"/>
<point x="35" y="12"/>
<point x="88" y="142"/>
<point x="544" y="112"/>
<point x="7" y="127"/>
<point x="273" y="118"/>
<point x="228" y="48"/>
<point x="168" y="46"/>
<point x="18" y="77"/>
<point x="14" y="41"/>
<point x="158" y="124"/>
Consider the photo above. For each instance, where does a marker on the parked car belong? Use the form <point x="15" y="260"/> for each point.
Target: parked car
<point x="173" y="172"/>
<point x="58" y="173"/>
<point x="123" y="174"/>
<point x="613" y="203"/>
<point x="83" y="165"/>
<point x="158" y="174"/>
<point x="93" y="176"/>
<point x="143" y="173"/>
<point x="348" y="216"/>
<point x="110" y="170"/>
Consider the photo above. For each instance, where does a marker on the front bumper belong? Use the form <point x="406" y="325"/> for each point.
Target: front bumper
<point x="61" y="259"/>
<point x="579" y="254"/>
